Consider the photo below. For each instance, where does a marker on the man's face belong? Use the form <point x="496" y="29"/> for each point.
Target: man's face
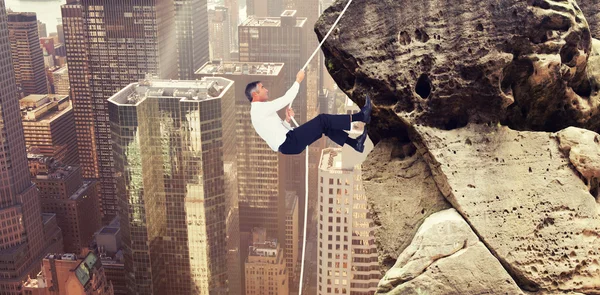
<point x="261" y="94"/>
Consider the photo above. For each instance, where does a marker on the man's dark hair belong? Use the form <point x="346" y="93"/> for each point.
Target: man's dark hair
<point x="251" y="87"/>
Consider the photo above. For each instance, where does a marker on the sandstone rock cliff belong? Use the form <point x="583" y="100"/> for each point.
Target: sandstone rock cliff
<point x="485" y="123"/>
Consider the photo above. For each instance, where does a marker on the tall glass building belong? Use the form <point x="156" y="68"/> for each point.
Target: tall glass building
<point x="172" y="142"/>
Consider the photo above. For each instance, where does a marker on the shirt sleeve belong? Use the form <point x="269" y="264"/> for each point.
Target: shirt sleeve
<point x="280" y="103"/>
<point x="287" y="125"/>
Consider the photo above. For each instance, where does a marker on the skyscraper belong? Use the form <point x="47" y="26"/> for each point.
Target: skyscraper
<point x="111" y="43"/>
<point x="19" y="205"/>
<point x="172" y="142"/>
<point x="192" y="36"/>
<point x="281" y="39"/>
<point x="347" y="254"/>
<point x="264" y="8"/>
<point x="261" y="195"/>
<point x="27" y="56"/>
<point x="233" y="7"/>
<point x="220" y="42"/>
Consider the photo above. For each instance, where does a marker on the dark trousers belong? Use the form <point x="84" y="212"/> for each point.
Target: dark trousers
<point x="301" y="137"/>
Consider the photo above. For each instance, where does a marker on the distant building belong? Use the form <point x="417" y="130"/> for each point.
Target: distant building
<point x="60" y="80"/>
<point x="65" y="274"/>
<point x="49" y="127"/>
<point x="266" y="272"/>
<point x="292" y="235"/>
<point x="63" y="192"/>
<point x="108" y="246"/>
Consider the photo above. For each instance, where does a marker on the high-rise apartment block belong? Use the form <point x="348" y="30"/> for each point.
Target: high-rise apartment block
<point x="220" y="40"/>
<point x="291" y="235"/>
<point x="111" y="44"/>
<point x="60" y="80"/>
<point x="281" y="39"/>
<point x="266" y="273"/>
<point x="63" y="192"/>
<point x="27" y="55"/>
<point x="175" y="233"/>
<point x="347" y="258"/>
<point x="261" y="194"/>
<point x="191" y="18"/>
<point x="49" y="127"/>
<point x="22" y="242"/>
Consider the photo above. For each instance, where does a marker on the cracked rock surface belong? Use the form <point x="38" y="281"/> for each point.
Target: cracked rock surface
<point x="485" y="122"/>
<point x="446" y="257"/>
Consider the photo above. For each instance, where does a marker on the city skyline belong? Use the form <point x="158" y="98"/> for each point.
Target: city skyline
<point x="138" y="154"/>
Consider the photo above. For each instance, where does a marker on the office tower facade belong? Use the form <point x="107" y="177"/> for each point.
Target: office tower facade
<point x="233" y="8"/>
<point x="281" y="39"/>
<point x="177" y="202"/>
<point x="41" y="27"/>
<point x="63" y="192"/>
<point x="27" y="56"/>
<point x="260" y="191"/>
<point x="61" y="33"/>
<point x="291" y="235"/>
<point x="19" y="204"/>
<point x="264" y="8"/>
<point x="191" y="18"/>
<point x="66" y="274"/>
<point x="111" y="43"/>
<point x="266" y="272"/>
<point x="220" y="41"/>
<point x="347" y="258"/>
<point x="49" y="127"/>
<point x="60" y="80"/>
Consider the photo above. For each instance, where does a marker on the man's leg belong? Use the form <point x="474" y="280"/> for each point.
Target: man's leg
<point x="311" y="131"/>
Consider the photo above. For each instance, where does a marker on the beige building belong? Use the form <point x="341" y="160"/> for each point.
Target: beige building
<point x="266" y="272"/>
<point x="292" y="236"/>
<point x="65" y="274"/>
<point x="347" y="254"/>
<point x="49" y="127"/>
<point x="61" y="80"/>
<point x="220" y="41"/>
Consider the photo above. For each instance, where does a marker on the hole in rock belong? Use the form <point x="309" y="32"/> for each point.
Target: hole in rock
<point x="423" y="87"/>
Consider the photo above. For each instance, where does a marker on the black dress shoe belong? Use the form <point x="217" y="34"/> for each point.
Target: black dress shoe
<point x="366" y="110"/>
<point x="360" y="145"/>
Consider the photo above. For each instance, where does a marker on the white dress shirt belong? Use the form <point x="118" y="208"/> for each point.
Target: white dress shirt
<point x="267" y="122"/>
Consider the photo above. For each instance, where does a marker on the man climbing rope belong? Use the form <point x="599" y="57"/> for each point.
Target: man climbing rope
<point x="281" y="137"/>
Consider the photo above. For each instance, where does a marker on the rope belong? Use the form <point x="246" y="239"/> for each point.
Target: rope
<point x="301" y="283"/>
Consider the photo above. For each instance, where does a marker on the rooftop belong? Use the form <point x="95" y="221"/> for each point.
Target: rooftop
<point x="66" y="256"/>
<point x="44" y="107"/>
<point x="266" y="249"/>
<point x="42" y="167"/>
<point x="254" y="21"/>
<point x="331" y="159"/>
<point x="191" y="90"/>
<point x="109" y="230"/>
<point x="240" y="68"/>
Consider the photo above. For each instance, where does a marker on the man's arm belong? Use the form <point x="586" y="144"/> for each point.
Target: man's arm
<point x="280" y="103"/>
<point x="286" y="99"/>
